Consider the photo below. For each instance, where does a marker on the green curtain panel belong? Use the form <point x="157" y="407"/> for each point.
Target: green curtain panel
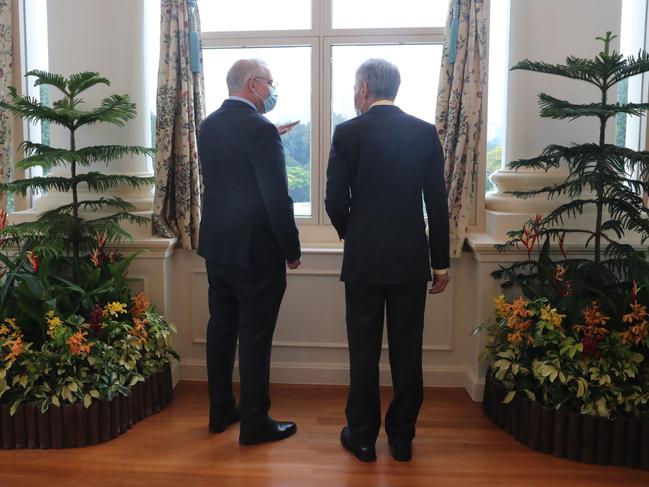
<point x="459" y="118"/>
<point x="6" y="52"/>
<point x="181" y="109"/>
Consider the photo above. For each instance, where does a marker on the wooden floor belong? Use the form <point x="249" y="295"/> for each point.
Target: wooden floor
<point x="455" y="446"/>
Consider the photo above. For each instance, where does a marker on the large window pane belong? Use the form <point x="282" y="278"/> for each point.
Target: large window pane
<point x="291" y="68"/>
<point x="374" y="14"/>
<point x="497" y="96"/>
<point x="418" y="64"/>
<point x="219" y="15"/>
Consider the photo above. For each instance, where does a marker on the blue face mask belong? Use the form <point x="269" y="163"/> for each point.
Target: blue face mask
<point x="271" y="101"/>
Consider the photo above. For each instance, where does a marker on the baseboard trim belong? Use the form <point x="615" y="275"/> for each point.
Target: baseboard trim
<point x="474" y="385"/>
<point x="338" y="374"/>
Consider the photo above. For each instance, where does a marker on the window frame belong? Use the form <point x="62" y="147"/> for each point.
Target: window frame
<point x="321" y="38"/>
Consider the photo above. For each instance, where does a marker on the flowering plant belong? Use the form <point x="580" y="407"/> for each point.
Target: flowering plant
<point x="573" y="363"/>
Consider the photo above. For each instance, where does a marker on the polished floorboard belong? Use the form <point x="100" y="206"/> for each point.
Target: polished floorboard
<point x="456" y="445"/>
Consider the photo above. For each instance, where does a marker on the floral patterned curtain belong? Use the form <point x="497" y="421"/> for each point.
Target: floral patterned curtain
<point x="181" y="109"/>
<point x="6" y="53"/>
<point x="459" y="117"/>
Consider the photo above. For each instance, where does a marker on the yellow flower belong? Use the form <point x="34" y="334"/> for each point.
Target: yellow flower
<point x="551" y="315"/>
<point x="113" y="309"/>
<point x="53" y="322"/>
<point x="503" y="308"/>
<point x="3" y="329"/>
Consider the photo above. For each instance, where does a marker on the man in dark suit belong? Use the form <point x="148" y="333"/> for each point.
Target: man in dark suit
<point x="380" y="164"/>
<point x="247" y="236"/>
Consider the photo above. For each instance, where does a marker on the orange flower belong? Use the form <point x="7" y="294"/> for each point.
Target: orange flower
<point x="519" y="309"/>
<point x="141" y="303"/>
<point x="139" y="330"/>
<point x="637" y="332"/>
<point x="79" y="344"/>
<point x="16" y="346"/>
<point x="593" y="317"/>
<point x="515" y="337"/>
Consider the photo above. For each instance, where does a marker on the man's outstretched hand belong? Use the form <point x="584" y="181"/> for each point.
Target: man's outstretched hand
<point x="287" y="127"/>
<point x="440" y="281"/>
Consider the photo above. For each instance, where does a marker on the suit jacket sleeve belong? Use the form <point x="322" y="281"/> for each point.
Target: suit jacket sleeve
<point x="338" y="199"/>
<point x="266" y="155"/>
<point x="436" y="201"/>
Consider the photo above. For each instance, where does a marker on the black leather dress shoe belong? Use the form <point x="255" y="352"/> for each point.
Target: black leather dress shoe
<point x="220" y="425"/>
<point x="364" y="452"/>
<point x="401" y="450"/>
<point x="272" y="431"/>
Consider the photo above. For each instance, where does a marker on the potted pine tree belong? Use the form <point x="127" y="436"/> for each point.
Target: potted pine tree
<point x="575" y="340"/>
<point x="81" y="355"/>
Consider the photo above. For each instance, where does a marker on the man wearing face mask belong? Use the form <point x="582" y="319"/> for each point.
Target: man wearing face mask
<point x="380" y="165"/>
<point x="247" y="236"/>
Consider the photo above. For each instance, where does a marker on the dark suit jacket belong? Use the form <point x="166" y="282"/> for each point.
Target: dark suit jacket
<point x="380" y="164"/>
<point x="247" y="216"/>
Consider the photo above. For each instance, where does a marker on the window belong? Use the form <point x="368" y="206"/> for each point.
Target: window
<point x="313" y="48"/>
<point x="497" y="96"/>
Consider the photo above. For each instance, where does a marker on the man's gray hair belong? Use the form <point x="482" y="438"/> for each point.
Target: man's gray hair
<point x="382" y="78"/>
<point x="242" y="71"/>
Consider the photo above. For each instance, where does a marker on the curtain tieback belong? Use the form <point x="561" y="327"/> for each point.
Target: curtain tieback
<point x="452" y="42"/>
<point x="194" y="38"/>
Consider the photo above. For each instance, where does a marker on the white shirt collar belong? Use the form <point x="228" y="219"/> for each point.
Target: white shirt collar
<point x="238" y="98"/>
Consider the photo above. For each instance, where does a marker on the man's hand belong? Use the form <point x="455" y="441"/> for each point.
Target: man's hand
<point x="287" y="127"/>
<point x="293" y="265"/>
<point x="440" y="282"/>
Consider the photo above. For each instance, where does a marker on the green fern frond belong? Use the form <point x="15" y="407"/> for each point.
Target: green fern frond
<point x="51" y="79"/>
<point x="92" y="205"/>
<point x="116" y="110"/>
<point x="40" y="155"/>
<point x="575" y="68"/>
<point x="33" y="111"/>
<point x="82" y="81"/>
<point x="551" y="107"/>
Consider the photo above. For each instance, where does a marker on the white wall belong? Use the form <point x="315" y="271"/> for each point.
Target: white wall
<point x="550" y="31"/>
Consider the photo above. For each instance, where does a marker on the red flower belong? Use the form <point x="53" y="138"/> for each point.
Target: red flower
<point x="96" y="257"/>
<point x="3" y="223"/>
<point x="33" y="259"/>
<point x="529" y="239"/>
<point x="102" y="238"/>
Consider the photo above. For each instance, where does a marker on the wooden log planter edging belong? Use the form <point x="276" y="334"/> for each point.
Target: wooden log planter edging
<point x="623" y="442"/>
<point x="73" y="425"/>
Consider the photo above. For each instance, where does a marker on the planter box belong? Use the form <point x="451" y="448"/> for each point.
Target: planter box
<point x="73" y="425"/>
<point x="589" y="439"/>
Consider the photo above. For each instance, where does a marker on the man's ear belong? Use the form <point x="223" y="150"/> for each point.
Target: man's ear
<point x="363" y="88"/>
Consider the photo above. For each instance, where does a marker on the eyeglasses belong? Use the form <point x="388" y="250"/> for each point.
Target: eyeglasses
<point x="270" y="82"/>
